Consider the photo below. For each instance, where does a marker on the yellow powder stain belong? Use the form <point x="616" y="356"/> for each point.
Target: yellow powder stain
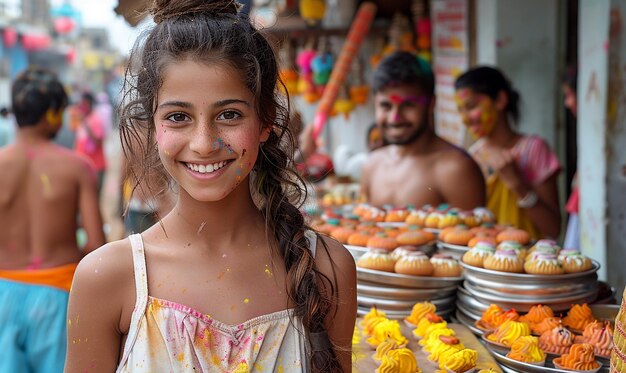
<point x="69" y="322"/>
<point x="246" y="301"/>
<point x="184" y="290"/>
<point x="268" y="272"/>
<point x="242" y="368"/>
<point x="258" y="367"/>
<point x="216" y="360"/>
<point x="46" y="184"/>
<point x="181" y="356"/>
<point x="280" y="369"/>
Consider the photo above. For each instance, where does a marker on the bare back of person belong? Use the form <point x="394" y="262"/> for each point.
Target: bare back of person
<point x="436" y="173"/>
<point x="40" y="194"/>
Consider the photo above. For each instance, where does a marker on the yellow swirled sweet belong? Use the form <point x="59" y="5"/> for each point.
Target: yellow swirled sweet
<point x="461" y="361"/>
<point x="439" y="350"/>
<point x="387" y="329"/>
<point x="434" y="336"/>
<point x="432" y="332"/>
<point x="383" y="348"/>
<point x="526" y="349"/>
<point x="508" y="332"/>
<point x="578" y="317"/>
<point x="371" y="319"/>
<point x="428" y="320"/>
<point x="580" y="357"/>
<point x="399" y="361"/>
<point x="420" y="310"/>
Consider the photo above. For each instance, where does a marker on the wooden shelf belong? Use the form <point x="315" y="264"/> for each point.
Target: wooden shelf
<point x="294" y="27"/>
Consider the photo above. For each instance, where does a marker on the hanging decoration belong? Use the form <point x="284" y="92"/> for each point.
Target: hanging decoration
<point x="305" y="82"/>
<point x="322" y="64"/>
<point x="423" y="29"/>
<point x="288" y="73"/>
<point x="312" y="11"/>
<point x="359" y="90"/>
<point x="358" y="30"/>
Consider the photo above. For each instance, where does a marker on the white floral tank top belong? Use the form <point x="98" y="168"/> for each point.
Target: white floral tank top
<point x="169" y="337"/>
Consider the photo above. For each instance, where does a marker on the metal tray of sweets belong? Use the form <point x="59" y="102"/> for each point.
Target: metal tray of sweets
<point x="525" y="278"/>
<point x="530" y="368"/>
<point x="523" y="304"/>
<point x="387" y="292"/>
<point x="406" y="281"/>
<point x="396" y="305"/>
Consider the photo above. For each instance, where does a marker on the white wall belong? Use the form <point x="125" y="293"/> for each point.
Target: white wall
<point x="522" y="39"/>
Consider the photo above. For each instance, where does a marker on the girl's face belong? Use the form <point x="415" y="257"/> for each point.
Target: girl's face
<point x="478" y="112"/>
<point x="208" y="132"/>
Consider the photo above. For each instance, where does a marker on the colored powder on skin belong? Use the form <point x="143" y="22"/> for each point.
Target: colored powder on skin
<point x="224" y="255"/>
<point x="35" y="264"/>
<point x="221" y="275"/>
<point x="232" y="308"/>
<point x="246" y="301"/>
<point x="267" y="271"/>
<point x="181" y="356"/>
<point x="201" y="228"/>
<point x="46" y="184"/>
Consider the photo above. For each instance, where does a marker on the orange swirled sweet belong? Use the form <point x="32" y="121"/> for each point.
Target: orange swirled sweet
<point x="546" y="324"/>
<point x="556" y="341"/>
<point x="578" y="317"/>
<point x="600" y="337"/>
<point x="494" y="316"/>
<point x="537" y="314"/>
<point x="399" y="361"/>
<point x="461" y="361"/>
<point x="526" y="349"/>
<point x="508" y="332"/>
<point x="580" y="357"/>
<point x="383" y="348"/>
<point x="387" y="329"/>
<point x="419" y="311"/>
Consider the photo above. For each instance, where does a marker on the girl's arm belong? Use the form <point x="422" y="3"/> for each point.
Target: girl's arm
<point x="340" y="325"/>
<point x="102" y="289"/>
<point x="545" y="214"/>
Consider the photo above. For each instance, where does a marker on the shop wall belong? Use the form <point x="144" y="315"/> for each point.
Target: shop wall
<point x="602" y="135"/>
<point x="616" y="138"/>
<point x="522" y="38"/>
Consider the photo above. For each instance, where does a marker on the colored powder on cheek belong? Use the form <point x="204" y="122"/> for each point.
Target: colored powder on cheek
<point x="246" y="301"/>
<point x="267" y="271"/>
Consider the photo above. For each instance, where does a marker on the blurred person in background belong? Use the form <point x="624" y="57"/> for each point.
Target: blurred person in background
<point x="572" y="233"/>
<point x="7" y="127"/>
<point x="90" y="135"/>
<point x="416" y="167"/>
<point x="521" y="170"/>
<point x="350" y="163"/>
<point x="42" y="190"/>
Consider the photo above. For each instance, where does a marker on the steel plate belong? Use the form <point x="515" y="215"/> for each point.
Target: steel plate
<point x="529" y="368"/>
<point x="361" y="311"/>
<point x="467" y="321"/>
<point x="390" y="304"/>
<point x="530" y="298"/>
<point x="533" y="289"/>
<point x="386" y="292"/>
<point x="523" y="305"/>
<point x="406" y="281"/>
<point x="458" y="248"/>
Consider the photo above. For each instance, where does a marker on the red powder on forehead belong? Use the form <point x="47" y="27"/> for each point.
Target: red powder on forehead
<point x="399" y="100"/>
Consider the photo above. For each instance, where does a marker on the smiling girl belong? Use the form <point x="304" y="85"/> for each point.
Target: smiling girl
<point x="521" y="171"/>
<point x="232" y="279"/>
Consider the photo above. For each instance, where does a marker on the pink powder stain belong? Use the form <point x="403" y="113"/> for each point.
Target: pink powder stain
<point x="35" y="264"/>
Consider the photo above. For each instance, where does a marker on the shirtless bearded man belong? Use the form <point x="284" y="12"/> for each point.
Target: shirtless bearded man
<point x="417" y="167"/>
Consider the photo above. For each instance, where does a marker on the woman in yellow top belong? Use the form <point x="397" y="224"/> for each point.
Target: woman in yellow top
<point x="521" y="171"/>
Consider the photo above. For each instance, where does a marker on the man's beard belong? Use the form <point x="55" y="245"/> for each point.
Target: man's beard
<point x="419" y="131"/>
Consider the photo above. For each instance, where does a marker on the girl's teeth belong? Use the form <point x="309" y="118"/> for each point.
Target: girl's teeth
<point x="206" y="169"/>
